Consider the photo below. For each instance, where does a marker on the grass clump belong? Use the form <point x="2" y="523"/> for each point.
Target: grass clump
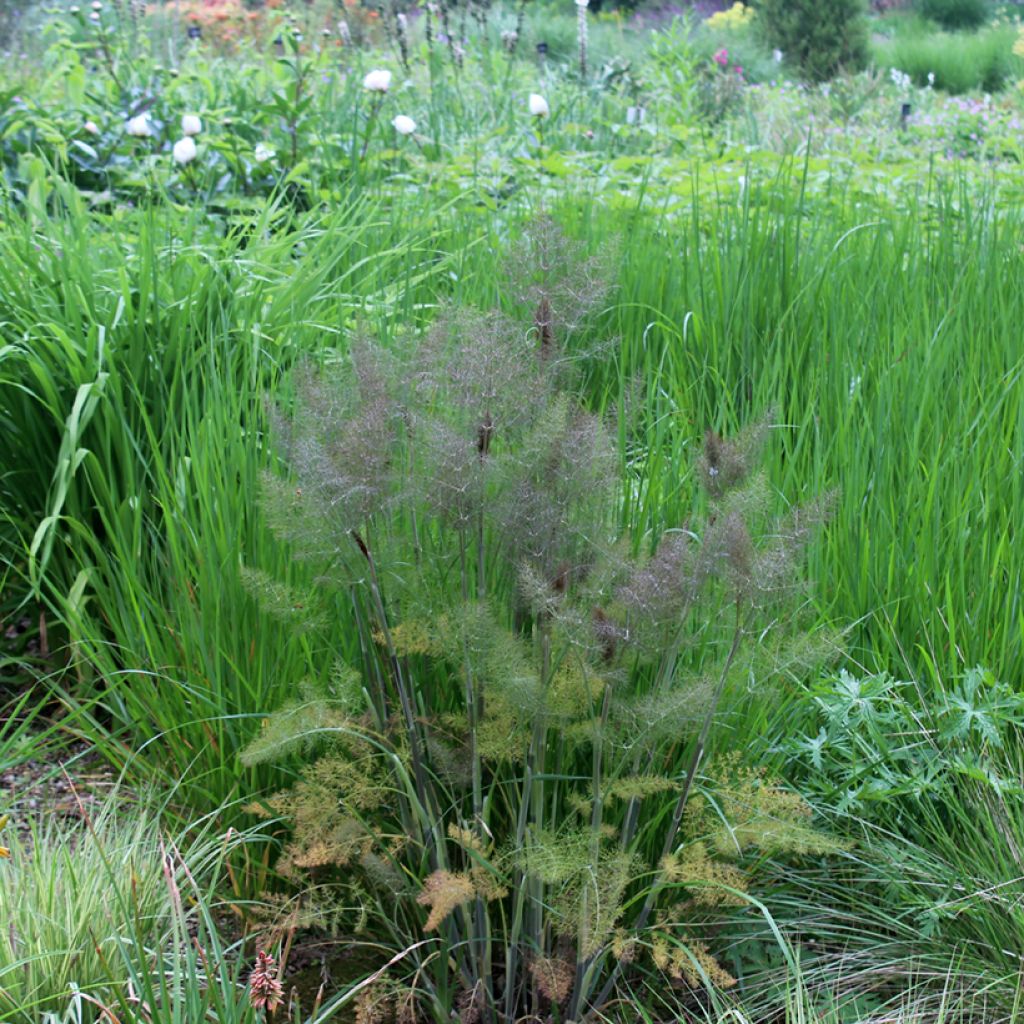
<point x="952" y="61"/>
<point x="82" y="904"/>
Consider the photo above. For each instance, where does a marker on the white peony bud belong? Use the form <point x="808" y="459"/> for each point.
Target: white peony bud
<point x="91" y="127"/>
<point x="139" y="126"/>
<point x="191" y="124"/>
<point x="538" y="105"/>
<point x="403" y="125"/>
<point x="184" y="151"/>
<point x="377" y="81"/>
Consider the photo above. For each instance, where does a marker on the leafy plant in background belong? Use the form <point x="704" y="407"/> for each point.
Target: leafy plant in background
<point x="720" y="87"/>
<point x="509" y="783"/>
<point x="821" y="37"/>
<point x="674" y="65"/>
<point x="955" y="15"/>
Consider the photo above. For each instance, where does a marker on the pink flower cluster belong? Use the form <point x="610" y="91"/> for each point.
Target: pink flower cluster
<point x="265" y="991"/>
<point x="721" y="58"/>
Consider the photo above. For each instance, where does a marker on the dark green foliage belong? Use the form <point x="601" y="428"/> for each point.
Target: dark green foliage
<point x="955" y="14"/>
<point x="862" y="745"/>
<point x="821" y="37"/>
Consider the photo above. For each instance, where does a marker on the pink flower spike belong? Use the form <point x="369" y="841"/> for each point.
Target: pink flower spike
<point x="265" y="991"/>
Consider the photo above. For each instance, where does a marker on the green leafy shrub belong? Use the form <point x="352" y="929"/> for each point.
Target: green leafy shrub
<point x="821" y="37"/>
<point x="508" y="781"/>
<point x="955" y="14"/>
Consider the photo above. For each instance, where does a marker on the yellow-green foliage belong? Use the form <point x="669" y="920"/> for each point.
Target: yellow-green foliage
<point x="750" y="811"/>
<point x="78" y="898"/>
<point x="586" y="878"/>
<point x="735" y="17"/>
<point x="714" y="882"/>
<point x="684" y="957"/>
<point x="301" y="725"/>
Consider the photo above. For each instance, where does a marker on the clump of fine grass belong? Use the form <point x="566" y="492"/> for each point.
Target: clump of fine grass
<point x="74" y="896"/>
<point x="955" y="62"/>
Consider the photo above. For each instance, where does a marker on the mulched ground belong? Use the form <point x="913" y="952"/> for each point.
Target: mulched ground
<point x="70" y="783"/>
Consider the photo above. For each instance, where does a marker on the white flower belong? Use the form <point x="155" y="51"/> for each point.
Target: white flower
<point x="403" y="125"/>
<point x="377" y="81"/>
<point x="777" y="56"/>
<point x="191" y="124"/>
<point x="91" y="127"/>
<point x="94" y="16"/>
<point x="538" y="105"/>
<point x="184" y="151"/>
<point x="96" y="5"/>
<point x="263" y="153"/>
<point x="899" y="78"/>
<point x="139" y="126"/>
<point x="582" y="3"/>
<point x="931" y="79"/>
<point x="635" y="115"/>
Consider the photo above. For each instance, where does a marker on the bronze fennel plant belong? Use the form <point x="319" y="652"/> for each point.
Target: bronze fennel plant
<point x="515" y="769"/>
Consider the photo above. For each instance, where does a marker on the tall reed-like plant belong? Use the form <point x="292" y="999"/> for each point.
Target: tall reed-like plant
<point x="514" y="766"/>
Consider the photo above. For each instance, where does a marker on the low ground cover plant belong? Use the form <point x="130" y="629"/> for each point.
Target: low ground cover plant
<point x="929" y="790"/>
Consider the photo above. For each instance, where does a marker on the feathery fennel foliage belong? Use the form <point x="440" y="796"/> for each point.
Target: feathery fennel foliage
<point x="514" y="769"/>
